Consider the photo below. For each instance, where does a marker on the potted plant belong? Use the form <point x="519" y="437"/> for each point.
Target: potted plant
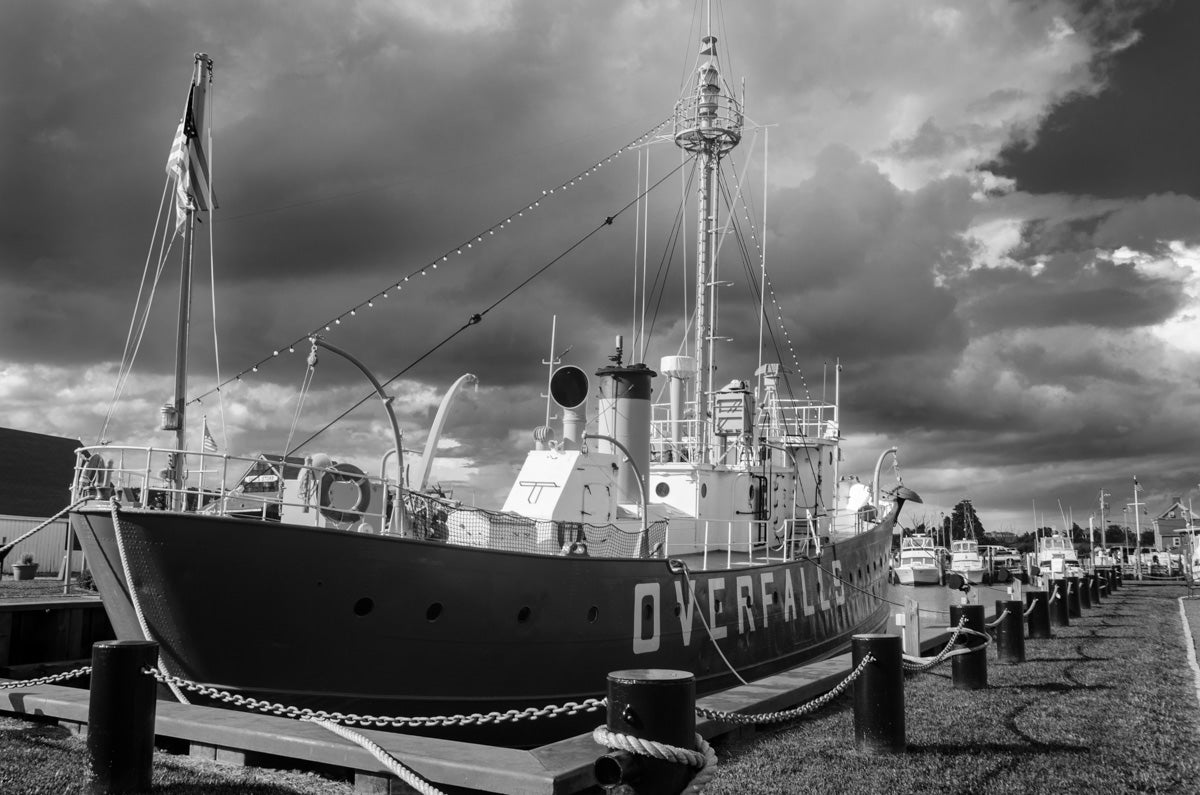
<point x="26" y="569"/>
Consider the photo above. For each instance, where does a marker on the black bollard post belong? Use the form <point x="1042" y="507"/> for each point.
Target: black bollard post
<point x="120" y="733"/>
<point x="1039" y="614"/>
<point x="655" y="705"/>
<point x="1059" y="612"/>
<point x="1096" y="579"/>
<point x="1118" y="576"/>
<point x="968" y="671"/>
<point x="1085" y="591"/>
<point x="1010" y="632"/>
<point x="1074" y="605"/>
<point x="1105" y="579"/>
<point x="879" y="695"/>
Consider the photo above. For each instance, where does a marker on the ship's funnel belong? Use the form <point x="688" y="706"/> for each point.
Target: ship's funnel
<point x="569" y="389"/>
<point x="680" y="370"/>
<point x="624" y="414"/>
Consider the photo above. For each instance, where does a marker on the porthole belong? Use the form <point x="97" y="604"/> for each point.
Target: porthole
<point x="662" y="489"/>
<point x="364" y="606"/>
<point x="523" y="615"/>
<point x="433" y="612"/>
<point x="703" y="490"/>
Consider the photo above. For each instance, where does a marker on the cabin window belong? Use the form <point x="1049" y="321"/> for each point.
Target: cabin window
<point x="703" y="490"/>
<point x="662" y="489"/>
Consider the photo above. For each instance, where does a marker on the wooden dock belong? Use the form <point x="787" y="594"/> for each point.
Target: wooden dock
<point x="560" y="768"/>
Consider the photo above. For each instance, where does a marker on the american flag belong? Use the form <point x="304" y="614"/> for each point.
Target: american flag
<point x="187" y="162"/>
<point x="1137" y="487"/>
<point x="210" y="444"/>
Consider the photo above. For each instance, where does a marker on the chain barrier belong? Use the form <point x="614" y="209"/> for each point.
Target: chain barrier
<point x="764" y="718"/>
<point x="704" y="758"/>
<point x="381" y="721"/>
<point x="47" y="680"/>
<point x="918" y="664"/>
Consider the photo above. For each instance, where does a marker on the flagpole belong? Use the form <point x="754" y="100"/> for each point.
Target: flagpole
<point x="1137" y="523"/>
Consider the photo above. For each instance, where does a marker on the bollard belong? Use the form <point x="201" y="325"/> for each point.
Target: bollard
<point x="1085" y="591"/>
<point x="1039" y="615"/>
<point x="1096" y="586"/>
<point x="968" y="671"/>
<point x="655" y="705"/>
<point x="1117" y="576"/>
<point x="1074" y="605"/>
<point x="1010" y="632"/>
<point x="120" y="735"/>
<point x="1057" y="604"/>
<point x="1105" y="579"/>
<point x="879" y="695"/>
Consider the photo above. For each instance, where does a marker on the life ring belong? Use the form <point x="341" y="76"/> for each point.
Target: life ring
<point x="94" y="476"/>
<point x="345" y="473"/>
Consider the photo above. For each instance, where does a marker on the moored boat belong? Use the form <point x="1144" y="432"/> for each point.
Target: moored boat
<point x="698" y="535"/>
<point x="1057" y="557"/>
<point x="966" y="560"/>
<point x="917" y="562"/>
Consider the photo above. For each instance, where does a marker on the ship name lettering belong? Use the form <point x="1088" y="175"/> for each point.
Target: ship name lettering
<point x="642" y="592"/>
<point x="745" y="603"/>
<point x="715" y="584"/>
<point x="686" y="610"/>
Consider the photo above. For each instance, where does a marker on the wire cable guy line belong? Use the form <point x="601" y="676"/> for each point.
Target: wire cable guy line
<point x="478" y="317"/>
<point x="424" y="270"/>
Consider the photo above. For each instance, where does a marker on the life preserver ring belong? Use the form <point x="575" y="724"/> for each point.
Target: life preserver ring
<point x="94" y="476"/>
<point x="344" y="473"/>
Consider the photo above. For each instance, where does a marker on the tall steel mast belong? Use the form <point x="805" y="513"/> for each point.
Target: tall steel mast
<point x="708" y="123"/>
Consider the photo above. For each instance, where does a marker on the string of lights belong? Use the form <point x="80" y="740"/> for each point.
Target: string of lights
<point x="455" y="251"/>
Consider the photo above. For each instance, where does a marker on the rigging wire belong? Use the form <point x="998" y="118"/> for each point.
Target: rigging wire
<point x="478" y="317"/>
<point x="433" y="265"/>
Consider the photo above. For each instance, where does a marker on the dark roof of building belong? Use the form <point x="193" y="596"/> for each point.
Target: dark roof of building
<point x="35" y="473"/>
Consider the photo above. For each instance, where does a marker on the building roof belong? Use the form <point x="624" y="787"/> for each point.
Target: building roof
<point x="35" y="473"/>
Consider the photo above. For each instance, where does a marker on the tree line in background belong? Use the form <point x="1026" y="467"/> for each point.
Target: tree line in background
<point x="962" y="522"/>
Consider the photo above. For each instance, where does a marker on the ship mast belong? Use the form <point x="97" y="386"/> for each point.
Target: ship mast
<point x="188" y="164"/>
<point x="708" y="123"/>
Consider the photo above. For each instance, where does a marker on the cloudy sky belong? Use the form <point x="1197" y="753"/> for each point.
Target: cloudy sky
<point x="986" y="209"/>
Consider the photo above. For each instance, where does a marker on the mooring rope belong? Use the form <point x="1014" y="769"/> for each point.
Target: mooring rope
<point x="1032" y="606"/>
<point x="115" y="510"/>
<point x="999" y="620"/>
<point x="704" y="758"/>
<point x="390" y="762"/>
<point x="679" y="567"/>
<point x="4" y="550"/>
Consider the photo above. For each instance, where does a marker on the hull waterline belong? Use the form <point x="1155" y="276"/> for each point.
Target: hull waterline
<point x="380" y="625"/>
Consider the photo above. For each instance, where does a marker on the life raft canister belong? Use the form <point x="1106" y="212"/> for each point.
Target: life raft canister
<point x="344" y="473"/>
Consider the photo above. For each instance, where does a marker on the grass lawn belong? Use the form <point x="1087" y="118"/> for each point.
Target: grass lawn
<point x="1108" y="705"/>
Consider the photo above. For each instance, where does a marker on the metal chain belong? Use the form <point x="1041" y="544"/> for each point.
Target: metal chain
<point x="47" y="680"/>
<point x="762" y="718"/>
<point x="353" y="719"/>
<point x="918" y="664"/>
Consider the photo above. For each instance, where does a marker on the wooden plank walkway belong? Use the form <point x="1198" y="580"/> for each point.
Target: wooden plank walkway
<point x="561" y="768"/>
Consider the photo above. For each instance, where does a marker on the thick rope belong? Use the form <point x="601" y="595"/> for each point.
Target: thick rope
<point x="390" y="762"/>
<point x="115" y="508"/>
<point x="1032" y="606"/>
<point x="679" y="567"/>
<point x="704" y="759"/>
<point x="4" y="550"/>
<point x="999" y="620"/>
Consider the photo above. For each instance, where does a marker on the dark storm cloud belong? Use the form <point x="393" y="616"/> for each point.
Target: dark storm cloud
<point x="1137" y="136"/>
